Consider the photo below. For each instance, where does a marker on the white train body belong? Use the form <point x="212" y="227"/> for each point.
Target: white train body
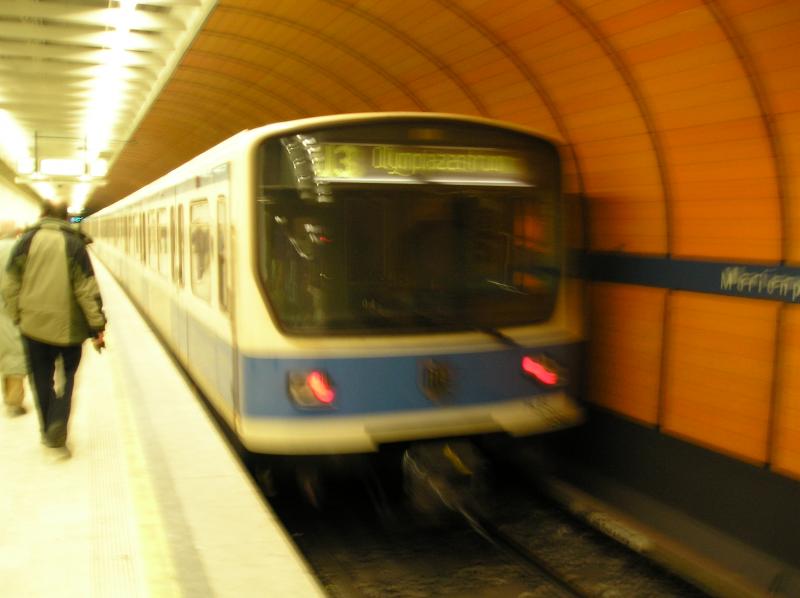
<point x="337" y="283"/>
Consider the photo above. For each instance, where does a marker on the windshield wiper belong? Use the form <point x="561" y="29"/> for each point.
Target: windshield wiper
<point x="489" y="330"/>
<point x="506" y="287"/>
<point x="501" y="336"/>
<point x="390" y="313"/>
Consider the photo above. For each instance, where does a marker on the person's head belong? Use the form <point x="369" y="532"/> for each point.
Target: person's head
<point x="53" y="210"/>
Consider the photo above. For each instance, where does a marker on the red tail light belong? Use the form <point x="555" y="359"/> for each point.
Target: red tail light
<point x="541" y="369"/>
<point x="320" y="387"/>
<point x="311" y="389"/>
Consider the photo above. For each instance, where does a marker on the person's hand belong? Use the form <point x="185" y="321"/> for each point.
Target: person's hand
<point x="99" y="342"/>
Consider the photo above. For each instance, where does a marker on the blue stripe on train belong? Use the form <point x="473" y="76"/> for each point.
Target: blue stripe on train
<point x="389" y="384"/>
<point x="366" y="385"/>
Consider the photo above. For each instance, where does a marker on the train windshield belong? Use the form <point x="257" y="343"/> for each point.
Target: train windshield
<point x="404" y="227"/>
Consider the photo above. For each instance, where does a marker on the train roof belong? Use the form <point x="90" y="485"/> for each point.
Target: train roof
<point x="358" y="117"/>
<point x="244" y="138"/>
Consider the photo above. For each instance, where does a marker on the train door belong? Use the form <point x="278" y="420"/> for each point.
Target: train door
<point x="226" y="359"/>
<point x="179" y="314"/>
<point x="139" y="289"/>
<point x="233" y="285"/>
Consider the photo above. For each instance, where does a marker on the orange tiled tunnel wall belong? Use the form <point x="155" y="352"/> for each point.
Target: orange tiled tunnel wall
<point x="681" y="125"/>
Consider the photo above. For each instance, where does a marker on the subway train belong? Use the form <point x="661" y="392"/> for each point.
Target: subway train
<point x="340" y="284"/>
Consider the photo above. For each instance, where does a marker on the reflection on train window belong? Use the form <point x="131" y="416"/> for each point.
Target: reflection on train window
<point x="152" y="240"/>
<point x="177" y="275"/>
<point x="126" y="235"/>
<point x="222" y="249"/>
<point x="163" y="242"/>
<point x="133" y="231"/>
<point x="200" y="247"/>
<point x="142" y="238"/>
<point x="172" y="240"/>
<point x="385" y="260"/>
<point x="349" y="252"/>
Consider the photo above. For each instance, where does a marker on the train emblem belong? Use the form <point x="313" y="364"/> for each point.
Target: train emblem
<point x="436" y="380"/>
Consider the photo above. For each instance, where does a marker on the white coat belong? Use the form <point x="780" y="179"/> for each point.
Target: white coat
<point x="12" y="355"/>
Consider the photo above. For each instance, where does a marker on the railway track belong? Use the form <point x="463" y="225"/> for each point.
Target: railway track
<point x="513" y="544"/>
<point x="527" y="559"/>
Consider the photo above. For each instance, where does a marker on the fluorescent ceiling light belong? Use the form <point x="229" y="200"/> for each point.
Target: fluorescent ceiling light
<point x="80" y="193"/>
<point x="107" y="91"/>
<point x="99" y="167"/>
<point x="61" y="167"/>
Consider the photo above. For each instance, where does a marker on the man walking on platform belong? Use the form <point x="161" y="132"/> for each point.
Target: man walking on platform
<point x="52" y="295"/>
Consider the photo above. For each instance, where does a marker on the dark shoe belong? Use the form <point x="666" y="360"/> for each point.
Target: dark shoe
<point x="15" y="410"/>
<point x="56" y="435"/>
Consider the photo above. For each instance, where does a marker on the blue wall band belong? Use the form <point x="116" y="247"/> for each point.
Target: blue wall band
<point x="776" y="283"/>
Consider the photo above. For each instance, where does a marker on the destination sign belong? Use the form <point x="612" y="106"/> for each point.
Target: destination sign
<point x="400" y="163"/>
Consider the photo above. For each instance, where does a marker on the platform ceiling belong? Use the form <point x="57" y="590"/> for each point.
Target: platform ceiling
<point x="680" y="118"/>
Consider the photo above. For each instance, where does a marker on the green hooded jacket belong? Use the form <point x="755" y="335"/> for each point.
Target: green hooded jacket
<point x="49" y="286"/>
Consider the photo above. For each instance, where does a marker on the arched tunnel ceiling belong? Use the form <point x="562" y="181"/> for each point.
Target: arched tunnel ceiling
<point x="680" y="118"/>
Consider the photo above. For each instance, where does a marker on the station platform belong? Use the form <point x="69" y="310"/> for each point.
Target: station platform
<point x="151" y="501"/>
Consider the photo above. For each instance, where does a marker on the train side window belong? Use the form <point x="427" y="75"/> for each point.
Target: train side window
<point x="163" y="242"/>
<point x="200" y="249"/>
<point x="177" y="274"/>
<point x="137" y="236"/>
<point x="142" y="239"/>
<point x="127" y="234"/>
<point x="222" y="251"/>
<point x="152" y="240"/>
<point x="172" y="242"/>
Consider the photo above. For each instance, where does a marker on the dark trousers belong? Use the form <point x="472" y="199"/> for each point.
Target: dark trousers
<point x="41" y="367"/>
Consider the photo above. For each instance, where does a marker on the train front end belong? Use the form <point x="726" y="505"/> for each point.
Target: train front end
<point x="412" y="270"/>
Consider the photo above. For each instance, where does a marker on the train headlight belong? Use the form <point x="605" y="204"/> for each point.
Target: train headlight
<point x="544" y="370"/>
<point x="311" y="389"/>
